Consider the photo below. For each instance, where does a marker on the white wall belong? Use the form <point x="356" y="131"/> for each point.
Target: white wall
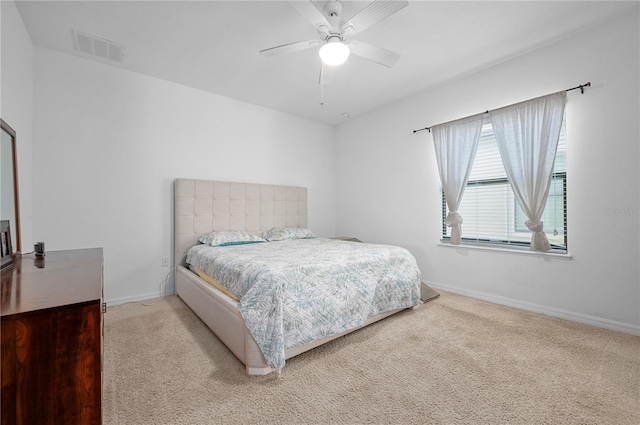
<point x="108" y="144"/>
<point x="16" y="104"/>
<point x="394" y="176"/>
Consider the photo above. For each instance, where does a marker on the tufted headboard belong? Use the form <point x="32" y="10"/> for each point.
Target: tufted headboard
<point x="202" y="206"/>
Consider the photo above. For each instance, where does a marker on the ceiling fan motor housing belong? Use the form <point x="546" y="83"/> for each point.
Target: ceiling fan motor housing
<point x="334" y="8"/>
<point x="334" y="17"/>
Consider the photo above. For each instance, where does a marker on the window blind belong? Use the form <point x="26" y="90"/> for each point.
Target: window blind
<point x="489" y="209"/>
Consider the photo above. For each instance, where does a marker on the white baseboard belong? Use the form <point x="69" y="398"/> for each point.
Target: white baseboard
<point x="138" y="298"/>
<point x="549" y="311"/>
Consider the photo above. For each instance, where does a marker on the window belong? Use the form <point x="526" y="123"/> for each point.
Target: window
<point x="491" y="214"/>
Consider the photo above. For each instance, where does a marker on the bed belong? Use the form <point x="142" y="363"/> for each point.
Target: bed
<point x="205" y="206"/>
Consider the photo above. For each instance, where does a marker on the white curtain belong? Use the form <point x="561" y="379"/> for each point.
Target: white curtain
<point x="527" y="134"/>
<point x="456" y="143"/>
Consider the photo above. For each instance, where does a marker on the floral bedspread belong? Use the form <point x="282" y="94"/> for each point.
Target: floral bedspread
<point x="296" y="291"/>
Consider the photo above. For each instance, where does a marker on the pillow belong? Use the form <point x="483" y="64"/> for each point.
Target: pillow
<point x="284" y="233"/>
<point x="232" y="237"/>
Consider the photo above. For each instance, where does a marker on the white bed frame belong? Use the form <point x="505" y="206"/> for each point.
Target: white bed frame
<point x="202" y="206"/>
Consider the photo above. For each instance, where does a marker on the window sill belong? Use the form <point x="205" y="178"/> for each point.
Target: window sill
<point x="561" y="256"/>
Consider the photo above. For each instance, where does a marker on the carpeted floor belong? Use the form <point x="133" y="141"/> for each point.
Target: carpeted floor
<point x="454" y="360"/>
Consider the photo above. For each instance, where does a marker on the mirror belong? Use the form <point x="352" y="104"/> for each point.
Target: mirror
<point x="9" y="205"/>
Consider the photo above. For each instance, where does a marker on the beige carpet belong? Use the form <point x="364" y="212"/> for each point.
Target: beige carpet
<point x="454" y="360"/>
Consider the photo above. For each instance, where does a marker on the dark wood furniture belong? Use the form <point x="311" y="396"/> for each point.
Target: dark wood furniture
<point x="52" y="339"/>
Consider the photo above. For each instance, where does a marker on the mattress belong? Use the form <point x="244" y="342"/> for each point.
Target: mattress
<point x="294" y="292"/>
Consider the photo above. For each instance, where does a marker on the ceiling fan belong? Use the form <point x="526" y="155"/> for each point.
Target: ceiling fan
<point x="335" y="33"/>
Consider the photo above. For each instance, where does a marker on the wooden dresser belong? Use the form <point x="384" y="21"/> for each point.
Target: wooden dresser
<point x="52" y="339"/>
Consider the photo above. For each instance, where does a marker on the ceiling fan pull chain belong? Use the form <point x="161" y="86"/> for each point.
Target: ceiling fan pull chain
<point x="321" y="84"/>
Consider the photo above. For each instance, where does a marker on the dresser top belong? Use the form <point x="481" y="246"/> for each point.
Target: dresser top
<point x="57" y="279"/>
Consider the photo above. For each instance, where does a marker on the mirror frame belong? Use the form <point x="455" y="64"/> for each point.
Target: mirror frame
<point x="14" y="159"/>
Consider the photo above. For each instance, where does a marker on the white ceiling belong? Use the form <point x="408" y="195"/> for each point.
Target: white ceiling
<point x="213" y="45"/>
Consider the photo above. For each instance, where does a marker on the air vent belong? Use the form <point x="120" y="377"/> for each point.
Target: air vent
<point x="99" y="47"/>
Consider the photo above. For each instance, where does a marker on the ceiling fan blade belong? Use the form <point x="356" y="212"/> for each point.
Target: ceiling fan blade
<point x="288" y="48"/>
<point x="374" y="53"/>
<point x="375" y="12"/>
<point x="310" y="12"/>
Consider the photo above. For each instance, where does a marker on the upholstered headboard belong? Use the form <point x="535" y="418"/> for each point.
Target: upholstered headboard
<point x="202" y="206"/>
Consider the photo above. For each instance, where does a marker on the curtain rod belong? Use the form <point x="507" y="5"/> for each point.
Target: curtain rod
<point x="581" y="87"/>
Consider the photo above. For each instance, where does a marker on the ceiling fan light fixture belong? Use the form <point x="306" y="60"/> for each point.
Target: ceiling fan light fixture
<point x="334" y="52"/>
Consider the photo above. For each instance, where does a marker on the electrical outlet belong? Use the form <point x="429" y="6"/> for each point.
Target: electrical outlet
<point x="165" y="261"/>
